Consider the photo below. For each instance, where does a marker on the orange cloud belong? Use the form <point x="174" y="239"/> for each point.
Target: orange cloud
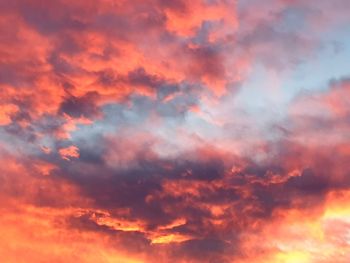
<point x="303" y="236"/>
<point x="118" y="141"/>
<point x="44" y="236"/>
<point x="69" y="152"/>
<point x="5" y="113"/>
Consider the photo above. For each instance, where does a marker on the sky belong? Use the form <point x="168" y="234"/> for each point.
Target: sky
<point x="174" y="131"/>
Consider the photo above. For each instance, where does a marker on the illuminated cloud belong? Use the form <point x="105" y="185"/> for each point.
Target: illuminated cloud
<point x="174" y="131"/>
<point x="69" y="152"/>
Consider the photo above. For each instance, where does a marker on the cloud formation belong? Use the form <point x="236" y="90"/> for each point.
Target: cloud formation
<point x="173" y="131"/>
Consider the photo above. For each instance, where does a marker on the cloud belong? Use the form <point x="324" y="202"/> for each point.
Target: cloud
<point x="121" y="138"/>
<point x="69" y="152"/>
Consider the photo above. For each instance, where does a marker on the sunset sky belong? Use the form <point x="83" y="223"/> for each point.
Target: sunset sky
<point x="174" y="131"/>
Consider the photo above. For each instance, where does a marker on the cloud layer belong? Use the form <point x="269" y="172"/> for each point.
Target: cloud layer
<point x="174" y="131"/>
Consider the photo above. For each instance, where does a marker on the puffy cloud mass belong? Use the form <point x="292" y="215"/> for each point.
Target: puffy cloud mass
<point x="174" y="131"/>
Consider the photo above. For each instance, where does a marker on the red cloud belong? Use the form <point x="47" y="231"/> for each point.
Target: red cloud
<point x="69" y="152"/>
<point x="103" y="158"/>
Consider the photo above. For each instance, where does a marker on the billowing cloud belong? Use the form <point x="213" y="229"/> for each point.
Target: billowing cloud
<point x="174" y="131"/>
